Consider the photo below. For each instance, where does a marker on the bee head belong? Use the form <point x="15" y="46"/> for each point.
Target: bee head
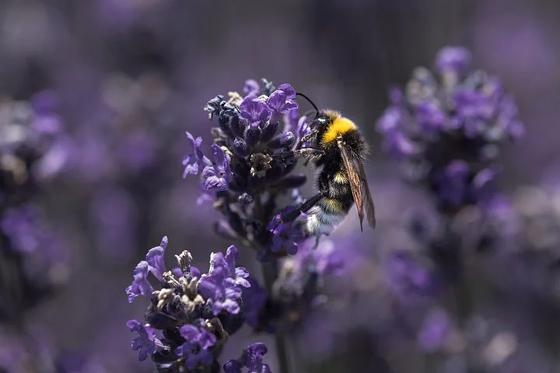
<point x="320" y="123"/>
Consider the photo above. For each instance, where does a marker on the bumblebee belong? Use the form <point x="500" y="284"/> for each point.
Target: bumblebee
<point x="336" y="146"/>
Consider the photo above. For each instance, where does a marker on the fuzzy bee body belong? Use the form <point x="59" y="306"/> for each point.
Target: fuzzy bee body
<point x="338" y="149"/>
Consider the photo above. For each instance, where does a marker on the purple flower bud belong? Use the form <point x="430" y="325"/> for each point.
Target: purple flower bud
<point x="284" y="140"/>
<point x="268" y="131"/>
<point x="238" y="126"/>
<point x="214" y="106"/>
<point x="240" y="147"/>
<point x="252" y="135"/>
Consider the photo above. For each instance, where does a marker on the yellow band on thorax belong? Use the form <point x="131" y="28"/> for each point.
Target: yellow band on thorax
<point x="338" y="128"/>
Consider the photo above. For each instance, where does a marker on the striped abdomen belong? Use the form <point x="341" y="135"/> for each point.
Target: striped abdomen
<point x="331" y="210"/>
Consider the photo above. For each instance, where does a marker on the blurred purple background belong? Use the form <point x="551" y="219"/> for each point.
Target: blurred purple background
<point x="129" y="77"/>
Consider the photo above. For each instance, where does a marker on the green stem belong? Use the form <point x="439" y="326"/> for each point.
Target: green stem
<point x="270" y="273"/>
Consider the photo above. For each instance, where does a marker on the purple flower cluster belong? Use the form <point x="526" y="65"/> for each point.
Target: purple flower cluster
<point x="447" y="129"/>
<point x="191" y="314"/>
<point x="252" y="159"/>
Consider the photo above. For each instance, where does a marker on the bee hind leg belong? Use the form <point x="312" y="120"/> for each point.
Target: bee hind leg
<point x="304" y="207"/>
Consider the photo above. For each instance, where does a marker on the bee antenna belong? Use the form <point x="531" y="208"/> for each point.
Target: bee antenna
<point x="311" y="102"/>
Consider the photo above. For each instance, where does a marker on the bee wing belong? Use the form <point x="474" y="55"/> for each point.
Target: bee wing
<point x="370" y="207"/>
<point x="358" y="184"/>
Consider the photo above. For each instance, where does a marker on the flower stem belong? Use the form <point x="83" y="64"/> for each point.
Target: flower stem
<point x="270" y="273"/>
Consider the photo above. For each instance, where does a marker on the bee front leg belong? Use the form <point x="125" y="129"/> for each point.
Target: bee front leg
<point x="310" y="153"/>
<point x="308" y="137"/>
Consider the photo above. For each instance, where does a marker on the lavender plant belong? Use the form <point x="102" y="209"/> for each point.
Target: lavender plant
<point x="447" y="131"/>
<point x="250" y="180"/>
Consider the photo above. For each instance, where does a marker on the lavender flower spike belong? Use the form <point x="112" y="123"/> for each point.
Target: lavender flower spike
<point x="191" y="314"/>
<point x="447" y="128"/>
<point x="253" y="154"/>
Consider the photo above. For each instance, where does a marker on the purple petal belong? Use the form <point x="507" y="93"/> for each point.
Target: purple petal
<point x="289" y="90"/>
<point x="156" y="259"/>
<point x="190" y="333"/>
<point x="140" y="284"/>
<point x="219" y="156"/>
<point x="231" y="257"/>
<point x="215" y="183"/>
<point x="277" y="100"/>
<point x="254" y="110"/>
<point x="229" y="305"/>
<point x="145" y="342"/>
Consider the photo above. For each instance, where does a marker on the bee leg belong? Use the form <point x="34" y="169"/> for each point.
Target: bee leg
<point x="307" y="137"/>
<point x="304" y="207"/>
<point x="308" y="153"/>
